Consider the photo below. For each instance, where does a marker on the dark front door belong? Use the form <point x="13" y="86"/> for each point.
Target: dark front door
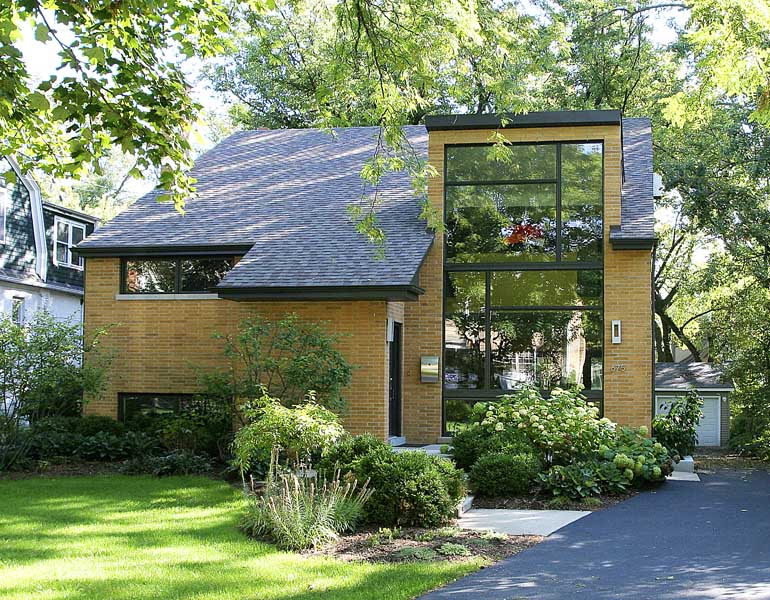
<point x="394" y="394"/>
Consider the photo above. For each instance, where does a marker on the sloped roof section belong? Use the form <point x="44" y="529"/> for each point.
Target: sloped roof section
<point x="637" y="209"/>
<point x="685" y="376"/>
<point x="283" y="195"/>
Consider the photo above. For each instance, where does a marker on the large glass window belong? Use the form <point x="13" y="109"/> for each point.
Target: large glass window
<point x="523" y="285"/>
<point x="173" y="275"/>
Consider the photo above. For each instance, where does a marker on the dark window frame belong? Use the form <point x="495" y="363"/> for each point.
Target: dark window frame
<point x="177" y="260"/>
<point x="488" y="393"/>
<point x="124" y="396"/>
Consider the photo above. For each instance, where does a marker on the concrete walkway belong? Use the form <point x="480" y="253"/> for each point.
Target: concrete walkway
<point x="685" y="540"/>
<point x="519" y="522"/>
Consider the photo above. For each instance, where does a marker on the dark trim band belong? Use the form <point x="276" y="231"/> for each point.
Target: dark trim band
<point x="143" y="251"/>
<point x="633" y="243"/>
<point x="408" y="293"/>
<point x="563" y="118"/>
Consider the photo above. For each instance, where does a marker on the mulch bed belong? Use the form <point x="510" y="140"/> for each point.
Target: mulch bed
<point x="65" y="468"/>
<point x="544" y="502"/>
<point x="411" y="545"/>
<point x="717" y="459"/>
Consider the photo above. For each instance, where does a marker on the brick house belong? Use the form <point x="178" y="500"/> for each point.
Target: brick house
<point x="546" y="251"/>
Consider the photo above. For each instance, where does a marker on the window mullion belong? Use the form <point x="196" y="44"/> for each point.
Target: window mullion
<point x="558" y="203"/>
<point x="487" y="331"/>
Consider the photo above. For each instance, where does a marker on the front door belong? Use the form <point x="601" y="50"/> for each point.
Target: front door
<point x="394" y="389"/>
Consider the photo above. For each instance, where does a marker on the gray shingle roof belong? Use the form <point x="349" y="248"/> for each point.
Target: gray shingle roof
<point x="684" y="376"/>
<point x="285" y="193"/>
<point x="637" y="205"/>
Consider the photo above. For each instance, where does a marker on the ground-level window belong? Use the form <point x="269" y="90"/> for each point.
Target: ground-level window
<point x="131" y="405"/>
<point x="17" y="310"/>
<point x="67" y="235"/>
<point x="173" y="275"/>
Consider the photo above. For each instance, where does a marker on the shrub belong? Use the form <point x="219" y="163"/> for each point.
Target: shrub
<point x="477" y="440"/>
<point x="410" y="488"/>
<point x="297" y="432"/>
<point x="562" y="428"/>
<point x="584" y="478"/>
<point x="48" y="444"/>
<point x="201" y="427"/>
<point x="105" y="446"/>
<point x="42" y="374"/>
<point x="299" y="513"/>
<point x="341" y="455"/>
<point x="676" y="430"/>
<point x="92" y="424"/>
<point x="174" y="463"/>
<point x="500" y="474"/>
<point x="289" y="358"/>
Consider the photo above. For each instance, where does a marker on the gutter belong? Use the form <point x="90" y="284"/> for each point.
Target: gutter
<point x="373" y="292"/>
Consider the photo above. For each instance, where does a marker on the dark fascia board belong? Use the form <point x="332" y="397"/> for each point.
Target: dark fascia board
<point x="68" y="212"/>
<point x="199" y="250"/>
<point x="562" y="118"/>
<point x="633" y="243"/>
<point x="374" y="292"/>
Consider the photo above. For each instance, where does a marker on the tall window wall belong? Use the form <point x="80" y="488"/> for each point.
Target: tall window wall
<point x="523" y="270"/>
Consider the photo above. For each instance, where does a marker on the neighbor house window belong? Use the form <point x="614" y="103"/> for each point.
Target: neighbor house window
<point x="173" y="275"/>
<point x="523" y="278"/>
<point x="131" y="405"/>
<point x="17" y="310"/>
<point x="67" y="235"/>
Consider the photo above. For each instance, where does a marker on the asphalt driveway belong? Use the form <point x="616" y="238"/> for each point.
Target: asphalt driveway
<point x="685" y="540"/>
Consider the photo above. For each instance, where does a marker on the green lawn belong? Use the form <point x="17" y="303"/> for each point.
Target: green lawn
<point x="114" y="537"/>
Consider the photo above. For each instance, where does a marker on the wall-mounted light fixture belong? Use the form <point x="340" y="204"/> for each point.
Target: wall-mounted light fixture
<point x="616" y="334"/>
<point x="429" y="369"/>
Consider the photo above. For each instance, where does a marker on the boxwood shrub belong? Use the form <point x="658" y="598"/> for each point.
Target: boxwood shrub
<point x="499" y="474"/>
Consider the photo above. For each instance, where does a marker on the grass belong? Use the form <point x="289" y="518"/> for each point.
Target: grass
<point x="121" y="537"/>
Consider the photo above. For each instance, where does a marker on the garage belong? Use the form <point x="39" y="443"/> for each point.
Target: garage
<point x="673" y="380"/>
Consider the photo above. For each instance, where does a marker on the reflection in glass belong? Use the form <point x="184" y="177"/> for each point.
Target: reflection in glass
<point x="581" y="200"/>
<point x="499" y="223"/>
<point x="202" y="274"/>
<point x="464" y="350"/>
<point x="500" y="163"/>
<point x="546" y="349"/>
<point x="546" y="288"/>
<point x="150" y="276"/>
<point x="464" y="292"/>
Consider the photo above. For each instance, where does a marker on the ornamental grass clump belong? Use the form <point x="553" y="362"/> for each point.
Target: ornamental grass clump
<point x="298" y="513"/>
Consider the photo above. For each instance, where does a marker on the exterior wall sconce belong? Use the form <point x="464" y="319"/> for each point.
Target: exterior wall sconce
<point x="616" y="333"/>
<point x="429" y="369"/>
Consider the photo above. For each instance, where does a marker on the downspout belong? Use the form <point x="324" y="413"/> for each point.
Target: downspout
<point x="38" y="224"/>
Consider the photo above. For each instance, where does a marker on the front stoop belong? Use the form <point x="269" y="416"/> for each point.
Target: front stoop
<point x="686" y="465"/>
<point x="432" y="449"/>
<point x="519" y="522"/>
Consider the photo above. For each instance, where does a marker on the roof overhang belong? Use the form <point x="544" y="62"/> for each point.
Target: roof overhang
<point x="695" y="387"/>
<point x="374" y="292"/>
<point x="197" y="250"/>
<point x="562" y="118"/>
<point x="618" y="241"/>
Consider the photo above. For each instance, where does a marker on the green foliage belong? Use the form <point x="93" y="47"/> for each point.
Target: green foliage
<point x="348" y="449"/>
<point x="500" y="474"/>
<point x="288" y="358"/>
<point x="411" y="489"/>
<point x="181" y="462"/>
<point x="104" y="446"/>
<point x="478" y="440"/>
<point x="676" y="430"/>
<point x="117" y="82"/>
<point x="297" y="433"/>
<point x="560" y="429"/>
<point x="453" y="549"/>
<point x="45" y="368"/>
<point x="300" y="513"/>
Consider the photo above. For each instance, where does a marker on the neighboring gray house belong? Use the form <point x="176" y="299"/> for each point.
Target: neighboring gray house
<point x="673" y="380"/>
<point x="38" y="269"/>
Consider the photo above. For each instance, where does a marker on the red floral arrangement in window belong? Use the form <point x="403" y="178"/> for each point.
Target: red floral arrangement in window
<point x="522" y="232"/>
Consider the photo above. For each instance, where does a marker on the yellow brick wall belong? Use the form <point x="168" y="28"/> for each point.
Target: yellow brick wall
<point x="627" y="366"/>
<point x="159" y="345"/>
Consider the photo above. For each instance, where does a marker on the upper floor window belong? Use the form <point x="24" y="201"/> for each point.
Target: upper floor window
<point x="175" y="275"/>
<point x="524" y="203"/>
<point x="67" y="234"/>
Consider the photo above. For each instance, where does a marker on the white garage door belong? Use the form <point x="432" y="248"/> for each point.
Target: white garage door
<point x="708" y="429"/>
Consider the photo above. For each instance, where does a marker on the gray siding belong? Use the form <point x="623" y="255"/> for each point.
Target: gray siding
<point x="17" y="255"/>
<point x="57" y="274"/>
<point x="724" y="426"/>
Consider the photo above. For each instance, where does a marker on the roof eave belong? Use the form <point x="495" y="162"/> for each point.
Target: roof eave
<point x="187" y="250"/>
<point x="629" y="243"/>
<point x="400" y="293"/>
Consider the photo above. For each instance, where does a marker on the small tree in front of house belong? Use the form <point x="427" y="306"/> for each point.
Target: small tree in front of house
<point x="286" y="358"/>
<point x="42" y="373"/>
